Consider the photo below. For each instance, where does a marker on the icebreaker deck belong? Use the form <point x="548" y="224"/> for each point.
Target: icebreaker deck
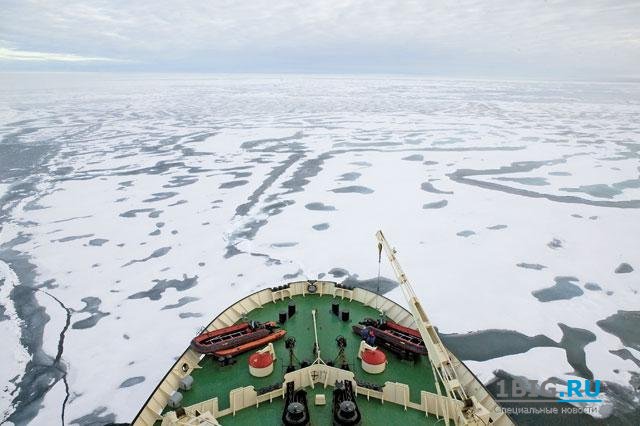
<point x="322" y="372"/>
<point x="234" y="397"/>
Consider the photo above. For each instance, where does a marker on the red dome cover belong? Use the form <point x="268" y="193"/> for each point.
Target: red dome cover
<point x="375" y="357"/>
<point x="260" y="360"/>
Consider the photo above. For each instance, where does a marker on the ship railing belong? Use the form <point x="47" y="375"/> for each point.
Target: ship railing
<point x="432" y="404"/>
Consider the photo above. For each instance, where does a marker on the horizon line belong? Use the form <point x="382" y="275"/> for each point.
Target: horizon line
<point x="408" y="75"/>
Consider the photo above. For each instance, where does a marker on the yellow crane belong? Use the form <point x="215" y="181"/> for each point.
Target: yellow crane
<point x="438" y="353"/>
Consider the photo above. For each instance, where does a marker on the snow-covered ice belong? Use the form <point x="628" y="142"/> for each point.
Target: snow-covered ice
<point x="135" y="208"/>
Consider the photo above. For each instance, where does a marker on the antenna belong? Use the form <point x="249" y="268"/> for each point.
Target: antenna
<point x="379" y="262"/>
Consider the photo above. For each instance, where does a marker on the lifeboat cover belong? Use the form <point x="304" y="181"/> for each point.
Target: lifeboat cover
<point x="375" y="357"/>
<point x="260" y="360"/>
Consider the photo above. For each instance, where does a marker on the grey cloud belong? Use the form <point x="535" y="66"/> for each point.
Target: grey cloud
<point x="529" y="38"/>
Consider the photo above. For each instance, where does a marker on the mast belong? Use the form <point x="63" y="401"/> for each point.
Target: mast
<point x="438" y="354"/>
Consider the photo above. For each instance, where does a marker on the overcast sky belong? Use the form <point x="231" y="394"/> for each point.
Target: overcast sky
<point x="477" y="39"/>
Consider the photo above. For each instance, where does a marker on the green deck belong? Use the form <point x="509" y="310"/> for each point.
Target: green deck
<point x="213" y="380"/>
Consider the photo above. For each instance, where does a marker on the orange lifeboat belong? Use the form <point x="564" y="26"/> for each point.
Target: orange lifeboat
<point x="236" y="339"/>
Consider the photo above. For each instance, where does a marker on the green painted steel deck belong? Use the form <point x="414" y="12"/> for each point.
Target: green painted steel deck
<point x="213" y="380"/>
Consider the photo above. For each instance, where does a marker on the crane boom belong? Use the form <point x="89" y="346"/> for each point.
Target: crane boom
<point x="438" y="354"/>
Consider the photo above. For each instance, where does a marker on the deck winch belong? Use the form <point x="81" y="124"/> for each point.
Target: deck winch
<point x="296" y="412"/>
<point x="345" y="409"/>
